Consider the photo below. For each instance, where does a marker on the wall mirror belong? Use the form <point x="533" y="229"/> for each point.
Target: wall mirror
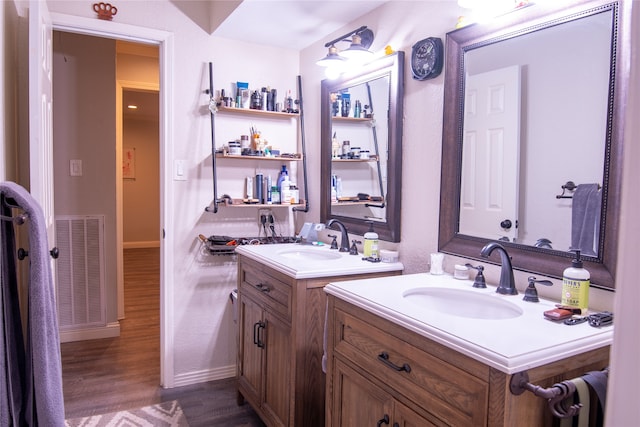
<point x="361" y="147"/>
<point x="533" y="105"/>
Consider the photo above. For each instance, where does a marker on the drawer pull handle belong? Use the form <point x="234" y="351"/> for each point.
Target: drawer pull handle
<point x="384" y="358"/>
<point x="383" y="420"/>
<point x="264" y="288"/>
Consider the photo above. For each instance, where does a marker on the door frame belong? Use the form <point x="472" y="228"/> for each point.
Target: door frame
<point x="165" y="42"/>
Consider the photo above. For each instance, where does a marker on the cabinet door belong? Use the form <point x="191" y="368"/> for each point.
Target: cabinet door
<point x="250" y="351"/>
<point x="357" y="401"/>
<point x="277" y="380"/>
<point x="406" y="417"/>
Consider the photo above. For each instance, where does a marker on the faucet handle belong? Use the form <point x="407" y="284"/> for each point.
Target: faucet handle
<point x="334" y="242"/>
<point x="479" y="281"/>
<point x="531" y="293"/>
<point x="354" y="248"/>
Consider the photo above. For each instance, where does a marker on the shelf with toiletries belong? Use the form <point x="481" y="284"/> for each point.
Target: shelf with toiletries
<point x="351" y="119"/>
<point x="252" y="112"/>
<point x="370" y="159"/>
<point x="251" y="160"/>
<point x="249" y="157"/>
<point x="292" y="158"/>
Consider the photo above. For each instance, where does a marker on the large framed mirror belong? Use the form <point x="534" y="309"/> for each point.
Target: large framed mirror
<point x="361" y="147"/>
<point x="532" y="137"/>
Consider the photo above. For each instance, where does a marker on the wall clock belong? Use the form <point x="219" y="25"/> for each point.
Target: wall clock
<point x="427" y="58"/>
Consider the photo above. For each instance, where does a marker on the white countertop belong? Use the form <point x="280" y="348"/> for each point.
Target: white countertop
<point x="509" y="345"/>
<point x="310" y="261"/>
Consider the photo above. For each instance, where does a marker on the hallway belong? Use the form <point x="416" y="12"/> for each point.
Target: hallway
<point x="107" y="375"/>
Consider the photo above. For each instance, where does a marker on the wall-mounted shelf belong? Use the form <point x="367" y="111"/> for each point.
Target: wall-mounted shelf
<point x="263" y="113"/>
<point x="239" y="203"/>
<point x="287" y="157"/>
<point x="294" y="158"/>
<point x="370" y="159"/>
<point x="351" y="119"/>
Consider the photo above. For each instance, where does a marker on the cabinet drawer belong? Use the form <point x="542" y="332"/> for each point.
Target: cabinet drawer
<point x="274" y="293"/>
<point x="457" y="397"/>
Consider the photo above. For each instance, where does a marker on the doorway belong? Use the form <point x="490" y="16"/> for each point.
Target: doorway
<point x="164" y="41"/>
<point x="102" y="171"/>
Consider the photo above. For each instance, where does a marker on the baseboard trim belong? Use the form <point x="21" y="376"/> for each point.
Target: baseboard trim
<point x="111" y="330"/>
<point x="140" y="245"/>
<point x="204" y="376"/>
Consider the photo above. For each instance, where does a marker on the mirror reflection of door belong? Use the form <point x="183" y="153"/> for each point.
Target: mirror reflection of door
<point x="490" y="155"/>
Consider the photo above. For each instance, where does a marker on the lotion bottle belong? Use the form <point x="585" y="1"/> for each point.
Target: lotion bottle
<point x="575" y="285"/>
<point x="371" y="243"/>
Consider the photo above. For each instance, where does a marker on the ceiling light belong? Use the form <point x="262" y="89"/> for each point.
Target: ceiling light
<point x="356" y="50"/>
<point x="332" y="58"/>
<point x="336" y="61"/>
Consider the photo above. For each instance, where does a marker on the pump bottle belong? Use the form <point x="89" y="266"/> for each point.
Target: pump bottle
<point x="575" y="285"/>
<point x="371" y="243"/>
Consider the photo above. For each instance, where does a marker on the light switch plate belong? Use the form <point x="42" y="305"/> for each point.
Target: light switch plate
<point x="75" y="167"/>
<point x="179" y="170"/>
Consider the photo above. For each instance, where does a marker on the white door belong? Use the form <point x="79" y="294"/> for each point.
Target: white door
<point x="490" y="155"/>
<point x="40" y="112"/>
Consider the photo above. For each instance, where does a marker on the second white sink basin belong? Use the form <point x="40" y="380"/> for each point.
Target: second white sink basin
<point x="309" y="254"/>
<point x="462" y="303"/>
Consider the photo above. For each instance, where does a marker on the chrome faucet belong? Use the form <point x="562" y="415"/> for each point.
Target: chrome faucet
<point x="344" y="239"/>
<point x="507" y="285"/>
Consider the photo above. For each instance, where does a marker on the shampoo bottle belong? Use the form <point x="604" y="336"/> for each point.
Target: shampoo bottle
<point x="281" y="177"/>
<point x="371" y="243"/>
<point x="575" y="285"/>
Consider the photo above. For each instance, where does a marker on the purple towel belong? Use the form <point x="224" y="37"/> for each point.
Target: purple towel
<point x="41" y="393"/>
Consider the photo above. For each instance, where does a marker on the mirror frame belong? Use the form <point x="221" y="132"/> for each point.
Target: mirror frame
<point x="393" y="66"/>
<point x="532" y="18"/>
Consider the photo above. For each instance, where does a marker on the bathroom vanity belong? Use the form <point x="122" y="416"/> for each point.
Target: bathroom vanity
<point x="282" y="311"/>
<point x="422" y="350"/>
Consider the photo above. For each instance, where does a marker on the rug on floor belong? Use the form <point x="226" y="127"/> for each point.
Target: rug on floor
<point x="167" y="414"/>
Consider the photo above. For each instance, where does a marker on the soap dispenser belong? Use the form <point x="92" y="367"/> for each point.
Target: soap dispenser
<point x="575" y="285"/>
<point x="371" y="243"/>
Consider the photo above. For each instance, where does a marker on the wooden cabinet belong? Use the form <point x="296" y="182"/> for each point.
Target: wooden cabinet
<point x="281" y="332"/>
<point x="388" y="375"/>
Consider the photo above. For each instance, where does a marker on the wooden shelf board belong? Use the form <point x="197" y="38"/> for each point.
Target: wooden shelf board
<point x="241" y="157"/>
<point x="249" y="111"/>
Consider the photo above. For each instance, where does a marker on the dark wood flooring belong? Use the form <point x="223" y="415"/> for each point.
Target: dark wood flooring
<point x="112" y="374"/>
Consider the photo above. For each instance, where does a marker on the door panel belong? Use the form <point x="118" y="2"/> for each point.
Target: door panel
<point x="490" y="154"/>
<point x="40" y="111"/>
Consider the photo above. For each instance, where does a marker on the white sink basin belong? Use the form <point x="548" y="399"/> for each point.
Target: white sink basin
<point x="309" y="254"/>
<point x="462" y="303"/>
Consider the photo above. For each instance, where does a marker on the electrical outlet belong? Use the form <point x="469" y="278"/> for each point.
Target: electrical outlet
<point x="266" y="214"/>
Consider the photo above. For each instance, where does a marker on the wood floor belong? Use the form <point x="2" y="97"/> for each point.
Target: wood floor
<point x="113" y="374"/>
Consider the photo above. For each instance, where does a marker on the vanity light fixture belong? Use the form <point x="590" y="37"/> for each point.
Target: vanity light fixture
<point x="336" y="61"/>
